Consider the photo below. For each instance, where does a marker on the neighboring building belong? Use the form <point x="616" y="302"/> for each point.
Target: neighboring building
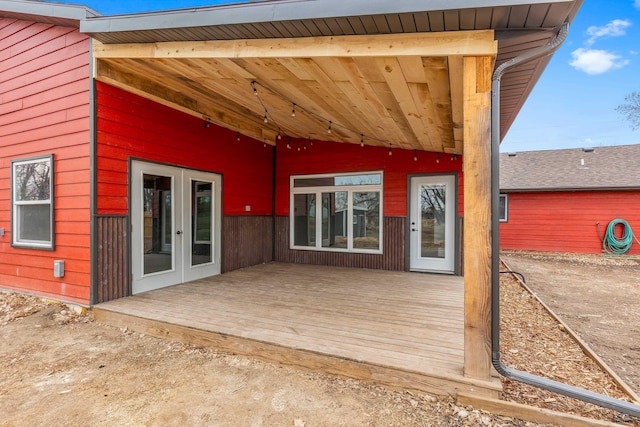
<point x="148" y="150"/>
<point x="563" y="200"/>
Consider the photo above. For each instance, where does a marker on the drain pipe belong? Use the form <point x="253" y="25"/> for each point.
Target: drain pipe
<point x="513" y="374"/>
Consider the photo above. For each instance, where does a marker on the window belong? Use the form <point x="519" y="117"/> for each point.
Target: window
<point x="32" y="197"/>
<point x="337" y="212"/>
<point x="504" y="206"/>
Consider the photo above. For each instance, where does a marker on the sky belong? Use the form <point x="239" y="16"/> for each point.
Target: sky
<point x="573" y="104"/>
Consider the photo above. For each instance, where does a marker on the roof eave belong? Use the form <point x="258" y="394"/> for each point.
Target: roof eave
<point x="566" y="189"/>
<point x="279" y="10"/>
<point x="56" y="13"/>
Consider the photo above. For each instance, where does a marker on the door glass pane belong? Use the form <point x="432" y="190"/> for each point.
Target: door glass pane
<point x="304" y="220"/>
<point x="158" y="223"/>
<point x="335" y="231"/>
<point x="432" y="216"/>
<point x="201" y="222"/>
<point x="366" y="220"/>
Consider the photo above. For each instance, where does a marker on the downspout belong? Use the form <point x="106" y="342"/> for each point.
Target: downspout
<point x="513" y="374"/>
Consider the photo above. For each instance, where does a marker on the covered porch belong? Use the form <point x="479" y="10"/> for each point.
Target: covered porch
<point x="395" y="328"/>
<point x="292" y="91"/>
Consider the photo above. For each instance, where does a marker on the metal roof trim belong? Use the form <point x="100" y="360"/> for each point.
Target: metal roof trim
<point x="281" y="10"/>
<point x="33" y="9"/>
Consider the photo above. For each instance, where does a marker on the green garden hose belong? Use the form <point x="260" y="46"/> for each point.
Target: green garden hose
<point x="613" y="245"/>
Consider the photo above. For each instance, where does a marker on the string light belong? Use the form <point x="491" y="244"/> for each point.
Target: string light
<point x="438" y="158"/>
<point x="238" y="136"/>
<point x="207" y="122"/>
<point x="289" y="144"/>
<point x="390" y="152"/>
<point x="454" y="157"/>
<point x="415" y="156"/>
<point x="298" y="146"/>
<point x="296" y="107"/>
<point x="279" y="136"/>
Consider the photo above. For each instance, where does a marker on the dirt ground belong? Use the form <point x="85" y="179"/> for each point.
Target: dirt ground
<point x="62" y="368"/>
<point x="597" y="296"/>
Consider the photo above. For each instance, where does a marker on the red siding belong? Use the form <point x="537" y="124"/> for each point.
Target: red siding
<point x="131" y="126"/>
<point x="326" y="157"/>
<point x="44" y="109"/>
<point x="567" y="221"/>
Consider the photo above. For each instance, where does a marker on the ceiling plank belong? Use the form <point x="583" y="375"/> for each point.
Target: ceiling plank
<point x="468" y="43"/>
<point x="372" y="108"/>
<point x="140" y="84"/>
<point x="392" y="72"/>
<point x="387" y="91"/>
<point x="370" y="69"/>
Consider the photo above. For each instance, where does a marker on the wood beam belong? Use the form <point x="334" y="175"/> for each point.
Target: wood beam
<point x="477" y="43"/>
<point x="477" y="216"/>
<point x="457" y="114"/>
<point x="226" y="116"/>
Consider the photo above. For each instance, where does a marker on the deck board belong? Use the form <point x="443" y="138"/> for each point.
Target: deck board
<point x="408" y="325"/>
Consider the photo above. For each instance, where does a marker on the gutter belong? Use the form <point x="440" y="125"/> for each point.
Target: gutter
<point x="513" y="374"/>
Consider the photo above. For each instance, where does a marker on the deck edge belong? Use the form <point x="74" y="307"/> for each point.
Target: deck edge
<point x="302" y="358"/>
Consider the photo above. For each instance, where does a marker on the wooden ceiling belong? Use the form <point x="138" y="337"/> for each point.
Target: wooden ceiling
<point x="400" y="90"/>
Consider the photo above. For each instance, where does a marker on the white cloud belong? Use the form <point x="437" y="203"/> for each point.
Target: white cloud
<point x="637" y="4"/>
<point x="614" y="28"/>
<point x="596" y="61"/>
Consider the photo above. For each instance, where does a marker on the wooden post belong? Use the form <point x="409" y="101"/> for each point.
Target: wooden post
<point x="477" y="73"/>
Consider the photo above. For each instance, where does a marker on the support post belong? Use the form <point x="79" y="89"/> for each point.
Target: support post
<point x="477" y="216"/>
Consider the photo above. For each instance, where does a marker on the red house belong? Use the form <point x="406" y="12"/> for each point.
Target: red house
<point x="143" y="151"/>
<point x="564" y="200"/>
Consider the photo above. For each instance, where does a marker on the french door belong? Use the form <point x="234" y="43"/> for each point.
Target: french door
<point x="175" y="219"/>
<point x="432" y="223"/>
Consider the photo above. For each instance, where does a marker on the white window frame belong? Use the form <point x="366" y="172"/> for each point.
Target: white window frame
<point x="505" y="217"/>
<point x="349" y="189"/>
<point x="16" y="238"/>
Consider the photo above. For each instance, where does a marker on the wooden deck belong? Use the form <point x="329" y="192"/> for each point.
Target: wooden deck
<point x="398" y="329"/>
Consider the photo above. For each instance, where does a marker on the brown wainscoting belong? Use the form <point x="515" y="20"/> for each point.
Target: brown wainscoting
<point x="393" y="257"/>
<point x="247" y="240"/>
<point x="112" y="262"/>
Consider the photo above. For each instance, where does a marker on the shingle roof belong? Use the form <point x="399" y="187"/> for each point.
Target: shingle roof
<point x="616" y="167"/>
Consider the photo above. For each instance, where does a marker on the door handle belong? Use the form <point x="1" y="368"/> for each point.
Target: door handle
<point x="179" y="232"/>
<point x="414" y="229"/>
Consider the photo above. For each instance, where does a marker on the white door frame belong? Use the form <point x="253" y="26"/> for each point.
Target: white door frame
<point x="181" y="225"/>
<point x="446" y="263"/>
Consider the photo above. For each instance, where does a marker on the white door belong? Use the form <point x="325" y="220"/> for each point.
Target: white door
<point x="432" y="223"/>
<point x="175" y="218"/>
